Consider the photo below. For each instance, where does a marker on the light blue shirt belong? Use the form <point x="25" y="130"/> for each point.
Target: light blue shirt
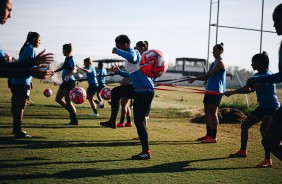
<point x="71" y="62"/>
<point x="91" y="77"/>
<point x="217" y="82"/>
<point x="266" y="95"/>
<point x="101" y="77"/>
<point x="27" y="53"/>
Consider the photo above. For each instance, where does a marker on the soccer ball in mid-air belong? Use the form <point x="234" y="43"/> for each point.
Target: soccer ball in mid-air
<point x="78" y="95"/>
<point x="106" y="93"/>
<point x="47" y="92"/>
<point x="153" y="63"/>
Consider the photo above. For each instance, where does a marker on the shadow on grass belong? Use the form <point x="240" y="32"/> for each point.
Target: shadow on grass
<point x="174" y="167"/>
<point x="38" y="143"/>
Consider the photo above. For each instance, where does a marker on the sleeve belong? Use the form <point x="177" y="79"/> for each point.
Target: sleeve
<point x="123" y="73"/>
<point x="72" y="62"/>
<point x="130" y="55"/>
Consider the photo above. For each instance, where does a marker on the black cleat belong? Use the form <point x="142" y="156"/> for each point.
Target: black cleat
<point x="22" y="134"/>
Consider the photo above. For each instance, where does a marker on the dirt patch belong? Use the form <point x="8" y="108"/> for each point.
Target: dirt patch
<point x="225" y="116"/>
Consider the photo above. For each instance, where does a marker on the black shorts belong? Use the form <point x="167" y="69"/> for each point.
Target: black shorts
<point x="212" y="99"/>
<point x="101" y="86"/>
<point x="91" y="90"/>
<point x="260" y="113"/>
<point x="68" y="85"/>
<point x="278" y="116"/>
<point x="20" y="90"/>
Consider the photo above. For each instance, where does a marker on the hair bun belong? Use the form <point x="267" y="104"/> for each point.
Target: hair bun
<point x="222" y="44"/>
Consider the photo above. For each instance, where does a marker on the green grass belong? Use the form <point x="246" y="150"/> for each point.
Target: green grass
<point x="89" y="153"/>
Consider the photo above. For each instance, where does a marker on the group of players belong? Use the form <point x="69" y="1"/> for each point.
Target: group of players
<point x="141" y="89"/>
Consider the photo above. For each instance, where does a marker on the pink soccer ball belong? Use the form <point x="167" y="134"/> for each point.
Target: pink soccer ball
<point x="153" y="63"/>
<point x="106" y="93"/>
<point x="78" y="95"/>
<point x="47" y="92"/>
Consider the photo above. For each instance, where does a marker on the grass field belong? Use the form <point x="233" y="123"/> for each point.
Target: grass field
<point x="89" y="153"/>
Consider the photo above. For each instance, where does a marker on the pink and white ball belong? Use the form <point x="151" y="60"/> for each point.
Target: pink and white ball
<point x="106" y="93"/>
<point x="47" y="92"/>
<point x="153" y="63"/>
<point x="78" y="95"/>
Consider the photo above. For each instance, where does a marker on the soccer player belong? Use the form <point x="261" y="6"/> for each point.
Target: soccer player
<point x="273" y="135"/>
<point x="268" y="105"/>
<point x="92" y="84"/>
<point x="216" y="78"/>
<point x="141" y="90"/>
<point x="68" y="68"/>
<point x="21" y="86"/>
<point x="101" y="83"/>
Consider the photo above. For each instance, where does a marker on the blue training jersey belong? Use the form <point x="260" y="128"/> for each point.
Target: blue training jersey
<point x="217" y="82"/>
<point x="266" y="95"/>
<point x="101" y="77"/>
<point x="27" y="53"/>
<point x="69" y="63"/>
<point x="91" y="76"/>
<point x="139" y="80"/>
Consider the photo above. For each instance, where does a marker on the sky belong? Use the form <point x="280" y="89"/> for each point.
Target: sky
<point x="178" y="28"/>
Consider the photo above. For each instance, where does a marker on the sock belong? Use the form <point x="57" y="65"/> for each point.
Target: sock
<point x="97" y="102"/>
<point x="17" y="127"/>
<point x="121" y="119"/>
<point x="243" y="145"/>
<point x="213" y="133"/>
<point x="128" y="118"/>
<point x="209" y="131"/>
<point x="266" y="154"/>
<point x="73" y="117"/>
<point x="95" y="111"/>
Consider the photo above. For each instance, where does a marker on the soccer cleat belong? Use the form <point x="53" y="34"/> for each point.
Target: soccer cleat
<point x="142" y="156"/>
<point x="22" y="134"/>
<point x="202" y="138"/>
<point x="13" y="132"/>
<point x="72" y="123"/>
<point x="94" y="115"/>
<point x="209" y="140"/>
<point x="239" y="154"/>
<point x="265" y="163"/>
<point x="102" y="106"/>
<point x="120" y="125"/>
<point x="128" y="124"/>
<point x="109" y="124"/>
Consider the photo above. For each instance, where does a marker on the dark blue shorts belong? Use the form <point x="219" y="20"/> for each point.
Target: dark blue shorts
<point x="68" y="85"/>
<point x="91" y="90"/>
<point x="260" y="113"/>
<point x="212" y="99"/>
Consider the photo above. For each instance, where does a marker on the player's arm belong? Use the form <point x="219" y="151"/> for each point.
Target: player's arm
<point x="130" y="55"/>
<point x="83" y="69"/>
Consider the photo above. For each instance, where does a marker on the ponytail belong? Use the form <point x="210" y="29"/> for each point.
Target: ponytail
<point x="29" y="38"/>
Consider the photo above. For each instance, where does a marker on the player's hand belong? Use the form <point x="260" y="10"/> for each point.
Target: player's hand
<point x="41" y="74"/>
<point x="114" y="50"/>
<point x="115" y="68"/>
<point x="44" y="58"/>
<point x="191" y="79"/>
<point x="66" y="78"/>
<point x="228" y="93"/>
